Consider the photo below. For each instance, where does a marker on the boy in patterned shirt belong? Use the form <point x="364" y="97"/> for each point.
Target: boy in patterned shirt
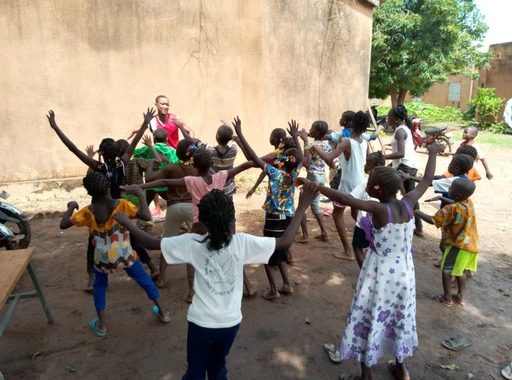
<point x="458" y="222"/>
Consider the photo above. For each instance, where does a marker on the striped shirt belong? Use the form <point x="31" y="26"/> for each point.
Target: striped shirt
<point x="224" y="159"/>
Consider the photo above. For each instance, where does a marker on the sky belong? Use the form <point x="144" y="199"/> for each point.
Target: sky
<point x="498" y="16"/>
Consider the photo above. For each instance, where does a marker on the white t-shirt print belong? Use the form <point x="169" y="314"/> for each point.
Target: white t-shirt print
<point x="218" y="281"/>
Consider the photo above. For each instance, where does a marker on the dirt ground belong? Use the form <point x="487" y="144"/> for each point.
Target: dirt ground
<point x="277" y="340"/>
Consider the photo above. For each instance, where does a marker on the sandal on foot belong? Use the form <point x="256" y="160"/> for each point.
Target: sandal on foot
<point x="323" y="238"/>
<point x="93" y="325"/>
<point x="286" y="290"/>
<point x="333" y="352"/>
<point x="458" y="300"/>
<point x="506" y="371"/>
<point x="161" y="318"/>
<point x="440" y="298"/>
<point x="456" y="343"/>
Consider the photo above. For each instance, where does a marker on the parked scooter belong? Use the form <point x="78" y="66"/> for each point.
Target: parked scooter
<point x="14" y="226"/>
<point x="439" y="135"/>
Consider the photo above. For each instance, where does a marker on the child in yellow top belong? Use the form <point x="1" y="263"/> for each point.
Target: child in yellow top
<point x="111" y="240"/>
<point x="458" y="222"/>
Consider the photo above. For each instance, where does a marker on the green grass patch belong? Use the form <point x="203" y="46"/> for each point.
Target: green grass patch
<point x="429" y="113"/>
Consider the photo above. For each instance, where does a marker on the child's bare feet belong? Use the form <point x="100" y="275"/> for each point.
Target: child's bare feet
<point x="446" y="301"/>
<point x="89" y="286"/>
<point x="344" y="256"/>
<point x="289" y="258"/>
<point x="322" y="237"/>
<point x="458" y="299"/>
<point x="163" y="315"/>
<point x="159" y="281"/>
<point x="286" y="289"/>
<point x="302" y="240"/>
<point x="249" y="293"/>
<point x="271" y="295"/>
<point x="399" y="370"/>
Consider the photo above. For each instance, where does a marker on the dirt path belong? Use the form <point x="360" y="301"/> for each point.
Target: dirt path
<point x="274" y="341"/>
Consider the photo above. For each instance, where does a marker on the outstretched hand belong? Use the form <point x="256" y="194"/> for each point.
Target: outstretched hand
<point x="303" y="134"/>
<point x="237" y="125"/>
<point x="435" y="148"/>
<point x="293" y="128"/>
<point x="90" y="151"/>
<point x="148" y="115"/>
<point x="433" y="199"/>
<point x="51" y="119"/>
<point x="147" y="140"/>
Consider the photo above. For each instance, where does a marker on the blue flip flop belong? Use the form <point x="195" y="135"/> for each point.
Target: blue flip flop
<point x="160" y="318"/>
<point x="94" y="328"/>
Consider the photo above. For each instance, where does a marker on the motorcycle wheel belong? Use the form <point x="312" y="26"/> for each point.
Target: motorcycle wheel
<point x="22" y="233"/>
<point x="445" y="142"/>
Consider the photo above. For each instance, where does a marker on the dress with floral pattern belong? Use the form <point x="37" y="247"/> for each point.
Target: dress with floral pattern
<point x="382" y="319"/>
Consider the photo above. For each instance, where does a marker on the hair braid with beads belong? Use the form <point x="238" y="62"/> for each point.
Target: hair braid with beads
<point x="217" y="214"/>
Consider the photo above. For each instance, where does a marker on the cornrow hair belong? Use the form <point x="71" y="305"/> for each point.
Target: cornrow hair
<point x="378" y="157"/>
<point x="467" y="149"/>
<point x="387" y="178"/>
<point x="96" y="183"/>
<point x="217" y="214"/>
<point x="401" y="112"/>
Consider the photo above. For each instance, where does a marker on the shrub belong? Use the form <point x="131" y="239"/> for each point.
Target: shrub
<point x="487" y="104"/>
<point x="428" y="113"/>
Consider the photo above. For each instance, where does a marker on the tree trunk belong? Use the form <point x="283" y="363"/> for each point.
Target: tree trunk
<point x="393" y="93"/>
<point x="401" y="96"/>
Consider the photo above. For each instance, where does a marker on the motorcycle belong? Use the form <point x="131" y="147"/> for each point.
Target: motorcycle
<point x="14" y="226"/>
<point x="439" y="135"/>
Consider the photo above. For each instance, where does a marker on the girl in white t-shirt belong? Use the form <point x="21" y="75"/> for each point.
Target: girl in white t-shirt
<point x="218" y="258"/>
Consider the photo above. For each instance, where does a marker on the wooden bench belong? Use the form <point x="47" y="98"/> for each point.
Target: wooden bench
<point x="12" y="265"/>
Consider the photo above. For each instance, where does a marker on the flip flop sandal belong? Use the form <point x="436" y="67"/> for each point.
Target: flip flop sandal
<point x="440" y="298"/>
<point x="506" y="371"/>
<point x="456" y="343"/>
<point x="166" y="319"/>
<point x="333" y="352"/>
<point x="93" y="325"/>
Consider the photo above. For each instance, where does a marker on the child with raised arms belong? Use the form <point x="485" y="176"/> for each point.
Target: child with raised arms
<point x="218" y="257"/>
<point x="382" y="318"/>
<point x="278" y="206"/>
<point x="112" y="249"/>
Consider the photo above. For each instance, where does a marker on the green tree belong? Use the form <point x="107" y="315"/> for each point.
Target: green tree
<point x="417" y="43"/>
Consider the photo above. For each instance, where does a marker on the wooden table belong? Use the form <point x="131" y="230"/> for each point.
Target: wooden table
<point x="12" y="265"/>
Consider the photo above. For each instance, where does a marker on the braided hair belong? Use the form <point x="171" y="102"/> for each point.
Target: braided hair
<point x="186" y="148"/>
<point x="384" y="181"/>
<point x="400" y="112"/>
<point x="96" y="183"/>
<point x="217" y="214"/>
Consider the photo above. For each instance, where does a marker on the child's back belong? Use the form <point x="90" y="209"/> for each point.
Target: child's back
<point x="224" y="155"/>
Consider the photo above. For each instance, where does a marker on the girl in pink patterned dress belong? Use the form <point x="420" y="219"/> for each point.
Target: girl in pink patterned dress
<point x="382" y="319"/>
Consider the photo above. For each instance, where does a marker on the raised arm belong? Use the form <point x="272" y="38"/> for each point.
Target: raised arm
<point x="240" y="168"/>
<point x="236" y="139"/>
<point x="163" y="183"/>
<point x="147" y="240"/>
<point x="148" y="115"/>
<point x="306" y="160"/>
<point x="428" y="176"/>
<point x="330" y="157"/>
<point x="305" y="199"/>
<point x="89" y="161"/>
<point x="293" y="130"/>
<point x="237" y="126"/>
<point x="152" y="175"/>
<point x="148" y="141"/>
<point x="65" y="222"/>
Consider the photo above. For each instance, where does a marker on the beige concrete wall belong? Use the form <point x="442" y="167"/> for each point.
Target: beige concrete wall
<point x="499" y="73"/>
<point x="100" y="64"/>
<point x="438" y="93"/>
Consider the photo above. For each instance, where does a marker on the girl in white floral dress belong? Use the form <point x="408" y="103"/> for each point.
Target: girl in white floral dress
<point x="382" y="319"/>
